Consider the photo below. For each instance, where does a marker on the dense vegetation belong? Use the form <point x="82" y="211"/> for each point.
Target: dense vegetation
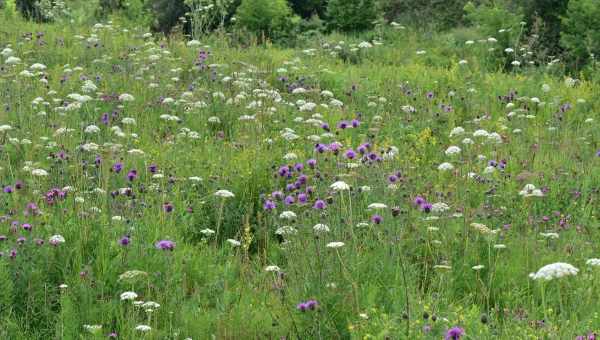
<point x="192" y="170"/>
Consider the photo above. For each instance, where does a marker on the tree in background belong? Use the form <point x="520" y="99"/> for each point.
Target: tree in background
<point x="580" y="34"/>
<point x="308" y="8"/>
<point x="549" y="12"/>
<point x="425" y="14"/>
<point x="351" y="15"/>
<point x="266" y="18"/>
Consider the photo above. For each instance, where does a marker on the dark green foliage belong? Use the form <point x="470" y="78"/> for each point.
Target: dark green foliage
<point x="437" y="14"/>
<point x="549" y="12"/>
<point x="268" y="18"/>
<point x="108" y="6"/>
<point x="309" y="8"/>
<point x="166" y="14"/>
<point x="29" y="10"/>
<point x="580" y="34"/>
<point x="351" y="15"/>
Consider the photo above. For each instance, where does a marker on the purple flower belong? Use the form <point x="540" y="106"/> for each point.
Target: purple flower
<point x="269" y="205"/>
<point x="117" y="167"/>
<point x="277" y="195"/>
<point x="454" y="333"/>
<point x="132" y="174"/>
<point x="598" y="153"/>
<point x="311" y="163"/>
<point x="165" y="245"/>
<point x="153" y="168"/>
<point x="124" y="241"/>
<point x="8" y="189"/>
<point x="377" y="219"/>
<point x="320" y="205"/>
<point x="167" y="207"/>
<point x="355" y="123"/>
<point x="26" y="226"/>
<point x="350" y="154"/>
<point x="289" y="200"/>
<point x="302" y="198"/>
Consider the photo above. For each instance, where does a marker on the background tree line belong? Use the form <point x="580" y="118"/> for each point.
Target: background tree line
<point x="569" y="28"/>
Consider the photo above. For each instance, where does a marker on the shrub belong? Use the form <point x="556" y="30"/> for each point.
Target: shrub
<point x="426" y="14"/>
<point x="351" y="15"/>
<point x="166" y="14"/>
<point x="106" y="7"/>
<point x="543" y="19"/>
<point x="42" y="10"/>
<point x="269" y="18"/>
<point x="581" y="30"/>
<point x="309" y="8"/>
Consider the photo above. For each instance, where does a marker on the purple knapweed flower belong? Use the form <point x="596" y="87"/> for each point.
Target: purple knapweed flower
<point x="454" y="333"/>
<point x="165" y="245"/>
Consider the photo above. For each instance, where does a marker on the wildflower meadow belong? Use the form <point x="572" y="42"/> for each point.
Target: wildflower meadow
<point x="380" y="185"/>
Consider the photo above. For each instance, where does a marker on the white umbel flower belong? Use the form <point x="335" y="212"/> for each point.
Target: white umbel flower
<point x="128" y="296"/>
<point x="321" y="228"/>
<point x="335" y="245"/>
<point x="224" y="194"/>
<point x="288" y="215"/>
<point x="529" y="190"/>
<point x="445" y="166"/>
<point x="340" y="186"/>
<point x="452" y="150"/>
<point x="143" y="328"/>
<point x="272" y="269"/>
<point x="554" y="271"/>
<point x="593" y="262"/>
<point x="375" y="206"/>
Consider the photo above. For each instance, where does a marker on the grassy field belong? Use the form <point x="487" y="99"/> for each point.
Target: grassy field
<point x="388" y="187"/>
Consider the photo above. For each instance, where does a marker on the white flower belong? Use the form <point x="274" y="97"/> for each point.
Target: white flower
<point x="452" y="150"/>
<point x="128" y="296"/>
<point x="272" y="269"/>
<point x="445" y="166"/>
<point x="207" y="231"/>
<point x="377" y="206"/>
<point x="126" y="97"/>
<point x="467" y="141"/>
<point x="549" y="235"/>
<point x="39" y="172"/>
<point x="56" y="239"/>
<point x="12" y="60"/>
<point x="286" y="230"/>
<point x="529" y="190"/>
<point x="234" y="243"/>
<point x="92" y="129"/>
<point x="128" y="121"/>
<point x="457" y="131"/>
<point x="499" y="246"/>
<point x="515" y="63"/>
<point x="92" y="328"/>
<point x="481" y="133"/>
<point x="287" y="215"/>
<point x="439" y="207"/>
<point x="193" y="43"/>
<point x="224" y="194"/>
<point x="335" y="245"/>
<point x="150" y="304"/>
<point x="5" y="127"/>
<point x="143" y="328"/>
<point x="546" y="88"/>
<point x="593" y="262"/>
<point x="38" y="67"/>
<point x="365" y="44"/>
<point x="340" y="186"/>
<point x="321" y="228"/>
<point x="478" y="267"/>
<point x="554" y="271"/>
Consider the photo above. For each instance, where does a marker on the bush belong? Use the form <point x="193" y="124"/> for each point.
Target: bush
<point x="351" y="15"/>
<point x="166" y="14"/>
<point x="268" y="18"/>
<point x="581" y="30"/>
<point x="42" y="10"/>
<point x="547" y="13"/>
<point x="309" y="8"/>
<point x="426" y="14"/>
